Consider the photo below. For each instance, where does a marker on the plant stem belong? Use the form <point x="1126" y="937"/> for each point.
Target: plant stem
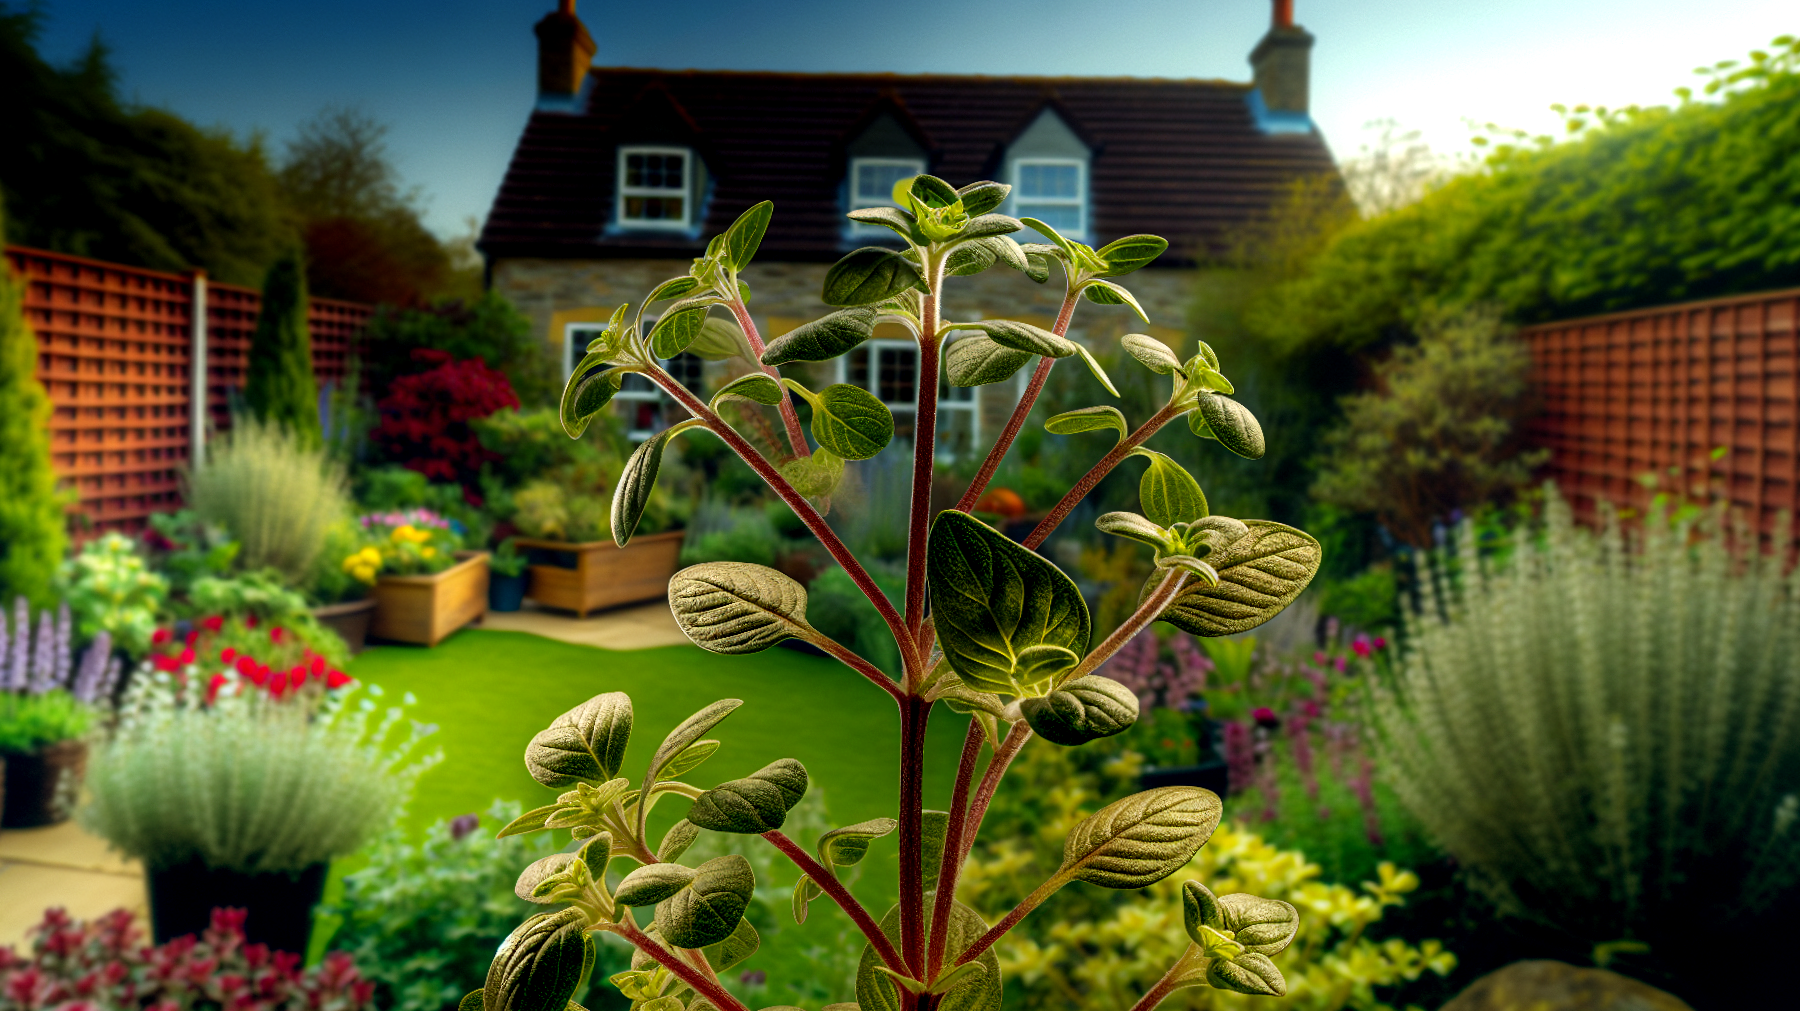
<point x="1020" y="412"/>
<point x="1163" y="988"/>
<point x="1099" y="471"/>
<point x="797" y="502"/>
<point x="924" y="450"/>
<point x="915" y="711"/>
<point x="951" y="866"/>
<point x="850" y="659"/>
<point x="990" y="781"/>
<point x="841" y="895"/>
<point x="789" y="417"/>
<point x="1146" y="613"/>
<point x="721" y="998"/>
<point x="1011" y="920"/>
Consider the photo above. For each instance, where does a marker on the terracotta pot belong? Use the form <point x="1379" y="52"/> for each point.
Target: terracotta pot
<point x="43" y="785"/>
<point x="425" y="609"/>
<point x="279" y="905"/>
<point x="592" y="575"/>
<point x="350" y="620"/>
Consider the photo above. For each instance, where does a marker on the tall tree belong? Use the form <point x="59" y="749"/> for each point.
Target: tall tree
<point x="279" y="386"/>
<point x="33" y="531"/>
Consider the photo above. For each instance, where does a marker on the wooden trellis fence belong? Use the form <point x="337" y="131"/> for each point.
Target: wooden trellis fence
<point x="117" y="347"/>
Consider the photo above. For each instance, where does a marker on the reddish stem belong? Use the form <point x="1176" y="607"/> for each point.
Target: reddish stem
<point x="1147" y="612"/>
<point x="990" y="781"/>
<point x="850" y="659"/>
<point x="841" y="895"/>
<point x="914" y="713"/>
<point x="924" y="449"/>
<point x="1099" y="471"/>
<point x="789" y="417"/>
<point x="1010" y="920"/>
<point x="951" y="866"/>
<point x="721" y="998"/>
<point x="1020" y="412"/>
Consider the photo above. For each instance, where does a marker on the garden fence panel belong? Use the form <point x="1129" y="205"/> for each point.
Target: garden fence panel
<point x="1634" y="394"/>
<point x="115" y="353"/>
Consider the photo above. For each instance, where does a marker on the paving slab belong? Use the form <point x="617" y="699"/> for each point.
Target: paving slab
<point x="641" y="627"/>
<point x="61" y="866"/>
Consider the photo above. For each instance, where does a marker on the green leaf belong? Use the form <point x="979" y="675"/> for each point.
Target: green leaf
<point x="824" y="338"/>
<point x="805" y="890"/>
<point x="541" y="964"/>
<point x="850" y="421"/>
<point x="934" y="828"/>
<point x="471" y="1001"/>
<point x="1124" y="524"/>
<point x="586" y="394"/>
<point x="1023" y="337"/>
<point x="692" y="729"/>
<point x="846" y="846"/>
<point x="529" y="878"/>
<point x="985" y="225"/>
<point x="876" y="992"/>
<point x="1232" y="424"/>
<point x="737" y="607"/>
<point x="1094" y="367"/>
<point x="893" y="217"/>
<point x="531" y="821"/>
<point x="632" y="494"/>
<point x="674" y="287"/>
<point x="1248" y="973"/>
<point x="978" y="361"/>
<point x="982" y="197"/>
<point x="678" y="328"/>
<point x="707" y="911"/>
<point x="1082" y="710"/>
<point x="753" y="805"/>
<point x="1210" y="357"/>
<point x="1263" y="926"/>
<point x="970" y="258"/>
<point x="691" y="758"/>
<point x="720" y="339"/>
<point x="1122" y="256"/>
<point x="993" y="599"/>
<point x="587" y="742"/>
<point x="1168" y="493"/>
<point x="1142" y="839"/>
<point x="757" y="386"/>
<point x="677" y="839"/>
<point x="652" y="883"/>
<point x="1063" y="246"/>
<point x="746" y="233"/>
<point x="732" y="951"/>
<point x="1259" y="574"/>
<point x="1087" y="419"/>
<point x="933" y="192"/>
<point x="1044" y="663"/>
<point x="815" y="476"/>
<point x="1037" y="266"/>
<point x="868" y="275"/>
<point x="1108" y="293"/>
<point x="1154" y="354"/>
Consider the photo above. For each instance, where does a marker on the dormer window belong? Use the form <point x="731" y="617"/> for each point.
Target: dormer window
<point x="655" y="187"/>
<point x="1053" y="190"/>
<point x="872" y="185"/>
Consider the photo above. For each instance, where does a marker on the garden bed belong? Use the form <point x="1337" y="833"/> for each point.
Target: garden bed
<point x="425" y="609"/>
<point x="593" y="575"/>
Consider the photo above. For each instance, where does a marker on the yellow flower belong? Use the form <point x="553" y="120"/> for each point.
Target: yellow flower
<point x="428" y="552"/>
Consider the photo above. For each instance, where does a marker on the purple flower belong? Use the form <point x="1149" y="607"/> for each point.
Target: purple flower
<point x="463" y="824"/>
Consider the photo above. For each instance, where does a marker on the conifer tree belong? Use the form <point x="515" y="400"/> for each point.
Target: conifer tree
<point x="279" y="387"/>
<point x="33" y="528"/>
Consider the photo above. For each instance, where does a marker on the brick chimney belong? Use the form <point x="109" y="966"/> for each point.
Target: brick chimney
<point x="565" y="52"/>
<point x="1282" y="62"/>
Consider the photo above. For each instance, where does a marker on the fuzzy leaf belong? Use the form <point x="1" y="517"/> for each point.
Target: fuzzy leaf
<point x="707" y="911"/>
<point x="677" y="839"/>
<point x="674" y="287"/>
<point x="824" y="338"/>
<point x="732" y="951"/>
<point x="893" y="217"/>
<point x="1122" y="256"/>
<point x="868" y="275"/>
<point x="529" y="878"/>
<point x="585" y="395"/>
<point x="1085" y="709"/>
<point x="652" y="883"/>
<point x="971" y="257"/>
<point x="1154" y="354"/>
<point x="847" y="845"/>
<point x="932" y="191"/>
<point x="755" y="804"/>
<point x="691" y="729"/>
<point x="978" y="361"/>
<point x="815" y="476"/>
<point x="851" y="422"/>
<point x="1123" y="524"/>
<point x="1232" y="424"/>
<point x="1087" y="419"/>
<point x="541" y="964"/>
<point x="720" y="339"/>
<point x="993" y="599"/>
<point x="678" y="328"/>
<point x="471" y="1001"/>
<point x="737" y="607"/>
<point x="1093" y="365"/>
<point x="875" y="991"/>
<point x="1142" y="839"/>
<point x="531" y="821"/>
<point x="1259" y="574"/>
<point x="1168" y="493"/>
<point x="587" y="742"/>
<point x="934" y="829"/>
<point x="1108" y="293"/>
<point x="985" y="225"/>
<point x="746" y="233"/>
<point x="690" y="759"/>
<point x="632" y="494"/>
<point x="1023" y="337"/>
<point x="1263" y="926"/>
<point x="982" y="197"/>
<point x="1248" y="973"/>
<point x="1065" y="249"/>
<point x="757" y="386"/>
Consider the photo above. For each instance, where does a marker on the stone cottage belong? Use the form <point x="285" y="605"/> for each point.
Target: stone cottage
<point x="623" y="173"/>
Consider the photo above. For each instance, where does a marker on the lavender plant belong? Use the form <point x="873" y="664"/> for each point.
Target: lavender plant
<point x="1005" y="644"/>
<point x="46" y="662"/>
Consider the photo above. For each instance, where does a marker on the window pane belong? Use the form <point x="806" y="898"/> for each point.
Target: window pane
<point x="687" y="370"/>
<point x="1049" y="182"/>
<point x="655" y="171"/>
<point x="894" y="375"/>
<point x="859" y="367"/>
<point x="875" y="183"/>
<point x="1062" y="217"/>
<point x="634" y="382"/>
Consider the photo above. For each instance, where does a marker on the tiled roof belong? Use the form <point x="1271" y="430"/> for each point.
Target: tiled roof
<point x="1180" y="158"/>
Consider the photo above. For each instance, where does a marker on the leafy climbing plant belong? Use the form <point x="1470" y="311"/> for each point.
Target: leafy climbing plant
<point x="989" y="628"/>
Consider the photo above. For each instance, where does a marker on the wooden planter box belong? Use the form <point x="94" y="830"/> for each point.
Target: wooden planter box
<point x="425" y="609"/>
<point x="604" y="574"/>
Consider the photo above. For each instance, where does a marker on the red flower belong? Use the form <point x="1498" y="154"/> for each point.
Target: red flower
<point x="337" y="679"/>
<point x="164" y="662"/>
<point x="213" y="686"/>
<point x="425" y="418"/>
<point x="247" y="667"/>
<point x="161" y="636"/>
<point x="214" y="623"/>
<point x="228" y="654"/>
<point x="187" y="656"/>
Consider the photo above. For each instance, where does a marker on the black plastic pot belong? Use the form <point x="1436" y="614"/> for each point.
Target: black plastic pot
<point x="506" y="593"/>
<point x="279" y="906"/>
<point x="42" y="785"/>
<point x="1214" y="775"/>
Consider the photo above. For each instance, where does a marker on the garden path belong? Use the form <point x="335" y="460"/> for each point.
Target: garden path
<point x="641" y="627"/>
<point x="61" y="865"/>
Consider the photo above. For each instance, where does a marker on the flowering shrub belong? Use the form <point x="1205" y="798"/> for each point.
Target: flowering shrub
<point x="110" y="588"/>
<point x="104" y="965"/>
<point x="228" y="654"/>
<point x="425" y="417"/>
<point x="405" y="543"/>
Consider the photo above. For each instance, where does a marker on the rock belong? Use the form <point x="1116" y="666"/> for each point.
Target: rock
<point x="1543" y="985"/>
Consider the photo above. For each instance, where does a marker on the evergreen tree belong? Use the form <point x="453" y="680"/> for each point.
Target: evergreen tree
<point x="279" y="387"/>
<point x="33" y="532"/>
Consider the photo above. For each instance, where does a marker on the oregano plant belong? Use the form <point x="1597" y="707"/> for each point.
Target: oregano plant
<point x="990" y="633"/>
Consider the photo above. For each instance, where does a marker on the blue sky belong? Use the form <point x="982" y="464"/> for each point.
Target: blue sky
<point x="455" y="78"/>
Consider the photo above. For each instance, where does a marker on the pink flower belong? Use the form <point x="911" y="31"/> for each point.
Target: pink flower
<point x="1265" y="716"/>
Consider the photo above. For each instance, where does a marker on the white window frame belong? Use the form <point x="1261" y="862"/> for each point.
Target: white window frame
<point x="1079" y="201"/>
<point x="914" y="166"/>
<point x="686" y="192"/>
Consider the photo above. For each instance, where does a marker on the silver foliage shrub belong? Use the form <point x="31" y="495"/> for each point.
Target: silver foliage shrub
<point x="1604" y="728"/>
<point x="276" y="496"/>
